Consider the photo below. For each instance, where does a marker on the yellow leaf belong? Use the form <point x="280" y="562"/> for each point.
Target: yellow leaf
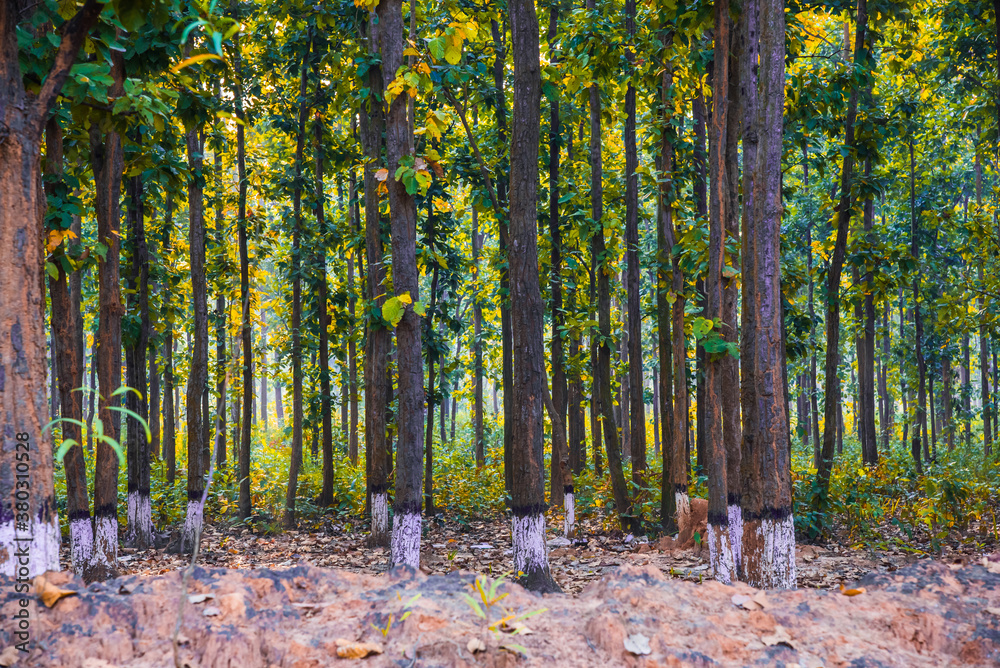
<point x="423" y="68"/>
<point x="405" y="298"/>
<point x="851" y="592"/>
<point x="55" y="238"/>
<point x="193" y="60"/>
<point x="347" y="649"/>
<point x="49" y="593"/>
<point x="382" y="174"/>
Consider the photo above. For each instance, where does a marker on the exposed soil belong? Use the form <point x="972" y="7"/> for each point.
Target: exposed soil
<point x="927" y="614"/>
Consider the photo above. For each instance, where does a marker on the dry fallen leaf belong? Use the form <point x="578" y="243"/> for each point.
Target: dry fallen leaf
<point x="851" y="592"/>
<point x="992" y="611"/>
<point x="49" y="593"/>
<point x="199" y="598"/>
<point x="475" y="645"/>
<point x="760" y="598"/>
<point x="780" y="636"/>
<point x="211" y="611"/>
<point x="746" y="602"/>
<point x="637" y="644"/>
<point x="9" y="656"/>
<point x="348" y="649"/>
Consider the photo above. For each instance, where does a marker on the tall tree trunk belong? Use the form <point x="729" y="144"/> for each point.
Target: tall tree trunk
<point x="405" y="543"/>
<point x="700" y="188"/>
<point x="719" y="547"/>
<point x="352" y="301"/>
<point x="984" y="360"/>
<point x="559" y="385"/>
<point x="769" y="530"/>
<point x="637" y="404"/>
<point x="732" y="428"/>
<point x="322" y="305"/>
<point x="221" y="313"/>
<point x="866" y="353"/>
<point x="832" y="393"/>
<point x="527" y="309"/>
<point x="29" y="536"/>
<point x="263" y="375"/>
<point x="920" y="430"/>
<point x="432" y="375"/>
<point x="599" y="260"/>
<point x="198" y="375"/>
<point x="668" y="268"/>
<point x="378" y="340"/>
<point x="477" y="345"/>
<point x="107" y="163"/>
<point x="296" y="272"/>
<point x="139" y="506"/>
<point x="169" y="407"/>
<point x="69" y="362"/>
<point x="506" y="335"/>
<point x="890" y="408"/>
<point x="244" y="510"/>
<point x="967" y="390"/>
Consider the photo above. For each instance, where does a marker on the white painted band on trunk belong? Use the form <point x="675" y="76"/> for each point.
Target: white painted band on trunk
<point x="404" y="546"/>
<point x="720" y="553"/>
<point x="380" y="514"/>
<point x="140" y="517"/>
<point x="777" y="567"/>
<point x="569" y="504"/>
<point x="683" y="505"/>
<point x="81" y="543"/>
<point x="42" y="548"/>
<point x="105" y="542"/>
<point x="528" y="538"/>
<point x="192" y="524"/>
<point x="736" y="532"/>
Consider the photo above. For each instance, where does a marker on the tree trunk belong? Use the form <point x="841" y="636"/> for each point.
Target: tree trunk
<point x="354" y="223"/>
<point x="984" y="360"/>
<point x="68" y="361"/>
<point x="768" y="547"/>
<point x="169" y="407"/>
<point x="636" y="404"/>
<point x="322" y="305"/>
<point x="866" y="352"/>
<point x="920" y="430"/>
<point x="139" y="505"/>
<point x="198" y="375"/>
<point x="378" y="340"/>
<point x="506" y="335"/>
<point x="700" y="188"/>
<point x="527" y="310"/>
<point x="263" y="375"/>
<point x="623" y="504"/>
<point x="732" y="429"/>
<point x="428" y="323"/>
<point x="296" y="272"/>
<point x="719" y="547"/>
<point x="559" y="384"/>
<point x="29" y="528"/>
<point x="477" y="345"/>
<point x="107" y="163"/>
<point x="672" y="440"/>
<point x="405" y="543"/>
<point x="832" y="393"/>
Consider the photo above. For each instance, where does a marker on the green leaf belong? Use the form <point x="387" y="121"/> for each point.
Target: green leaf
<point x="419" y="308"/>
<point x="52" y="271"/>
<point x="392" y="311"/>
<point x="436" y="47"/>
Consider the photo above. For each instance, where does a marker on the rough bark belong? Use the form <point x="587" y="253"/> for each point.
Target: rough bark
<point x="378" y="340"/>
<point x="527" y="309"/>
<point x="296" y="274"/>
<point x="405" y="544"/>
<point x="768" y="547"/>
<point x="139" y="505"/>
<point x="69" y="363"/>
<point x="720" y="550"/>
<point x="866" y="348"/>
<point x="169" y="408"/>
<point x="322" y="306"/>
<point x="599" y="259"/>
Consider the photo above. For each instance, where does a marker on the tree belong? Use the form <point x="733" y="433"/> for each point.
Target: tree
<point x="768" y="545"/>
<point x="528" y="479"/>
<point x="405" y="542"/>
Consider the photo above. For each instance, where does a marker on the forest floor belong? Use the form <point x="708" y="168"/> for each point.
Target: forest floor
<point x="485" y="547"/>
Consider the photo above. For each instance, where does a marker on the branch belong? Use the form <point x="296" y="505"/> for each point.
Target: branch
<point x="475" y="149"/>
<point x="74" y="32"/>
